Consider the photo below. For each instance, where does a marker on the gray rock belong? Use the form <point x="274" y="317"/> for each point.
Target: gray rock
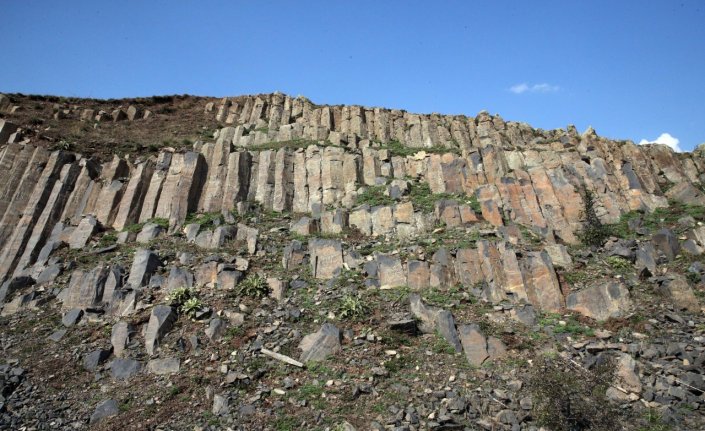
<point x="433" y="319"/>
<point x="609" y="299"/>
<point x="12" y="285"/>
<point x="677" y="290"/>
<point x="72" y="317"/>
<point x="56" y="336"/>
<point x="149" y="232"/>
<point x="49" y="274"/>
<point x="319" y="345"/>
<point x="686" y="193"/>
<point x="92" y="360"/>
<point x="474" y="344"/>
<point x="666" y="242"/>
<point x="215" y="329"/>
<point x="124" y="369"/>
<point x="144" y="264"/>
<point x="160" y="322"/>
<point x="326" y="257"/>
<point x="83" y="232"/>
<point x="120" y="336"/>
<point x="221" y="405"/>
<point x="104" y="410"/>
<point x="164" y="366"/>
<point x="179" y="277"/>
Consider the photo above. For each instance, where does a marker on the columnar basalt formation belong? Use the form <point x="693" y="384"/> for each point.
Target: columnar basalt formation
<point x="289" y="155"/>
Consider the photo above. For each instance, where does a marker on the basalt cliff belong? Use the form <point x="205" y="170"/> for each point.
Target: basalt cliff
<point x="263" y="262"/>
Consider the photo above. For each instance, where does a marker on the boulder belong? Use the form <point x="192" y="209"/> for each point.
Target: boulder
<point x="160" y="322"/>
<point x="92" y="360"/>
<point x="124" y="369"/>
<point x="677" y="290"/>
<point x="104" y="410"/>
<point x="72" y="317"/>
<point x="609" y="299"/>
<point x="149" y="232"/>
<point x="666" y="242"/>
<point x="120" y="337"/>
<point x="163" y="366"/>
<point x="216" y="328"/>
<point x="321" y="344"/>
<point x="326" y="257"/>
<point x="9" y="287"/>
<point x="83" y="232"/>
<point x="144" y="264"/>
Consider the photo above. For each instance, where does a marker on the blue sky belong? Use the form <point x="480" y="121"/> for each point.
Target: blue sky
<point x="631" y="69"/>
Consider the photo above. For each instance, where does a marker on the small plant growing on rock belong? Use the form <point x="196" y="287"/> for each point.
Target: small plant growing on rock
<point x="180" y="295"/>
<point x="619" y="264"/>
<point x="186" y="300"/>
<point x="191" y="307"/>
<point x="352" y="307"/>
<point x="255" y="286"/>
<point x="594" y="233"/>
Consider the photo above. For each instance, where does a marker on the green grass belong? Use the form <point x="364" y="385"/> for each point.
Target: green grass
<point x="396" y="148"/>
<point x="294" y="143"/>
<point x="137" y="227"/>
<point x="571" y="327"/>
<point x="374" y="196"/>
<point x="659" y="218"/>
<point x="204" y="220"/>
<point x="254" y="286"/>
<point x="423" y="199"/>
<point x="352" y="307"/>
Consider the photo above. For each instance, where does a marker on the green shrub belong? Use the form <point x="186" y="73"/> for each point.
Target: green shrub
<point x="594" y="233"/>
<point x="374" y="196"/>
<point x="571" y="398"/>
<point x="352" y="307"/>
<point x="254" y="285"/>
<point x="619" y="263"/>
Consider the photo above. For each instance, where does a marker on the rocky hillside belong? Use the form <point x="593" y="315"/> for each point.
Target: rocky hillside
<point x="262" y="262"/>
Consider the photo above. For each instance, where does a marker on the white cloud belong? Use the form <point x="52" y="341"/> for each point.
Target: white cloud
<point x="533" y="88"/>
<point x="665" y="139"/>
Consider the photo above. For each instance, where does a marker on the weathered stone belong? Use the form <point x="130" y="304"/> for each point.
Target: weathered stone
<point x="474" y="344"/>
<point x="305" y="226"/>
<point x="216" y="328"/>
<point x="72" y="317"/>
<point x="163" y="366"/>
<point x="626" y="375"/>
<point x="179" y="278"/>
<point x="83" y="232"/>
<point x="160" y="322"/>
<point x="418" y="275"/>
<point x="686" y="193"/>
<point x="277" y="288"/>
<point x="8" y="288"/>
<point x="321" y="344"/>
<point x="86" y="288"/>
<point x="124" y="369"/>
<point x="221" y="405"/>
<point x="326" y="257"/>
<point x="391" y="271"/>
<point x="249" y="236"/>
<point x="144" y="264"/>
<point x="666" y="242"/>
<point x="92" y="360"/>
<point x="677" y="290"/>
<point x="610" y="299"/>
<point x="104" y="409"/>
<point x="149" y="232"/>
<point x="120" y="337"/>
<point x="559" y="256"/>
